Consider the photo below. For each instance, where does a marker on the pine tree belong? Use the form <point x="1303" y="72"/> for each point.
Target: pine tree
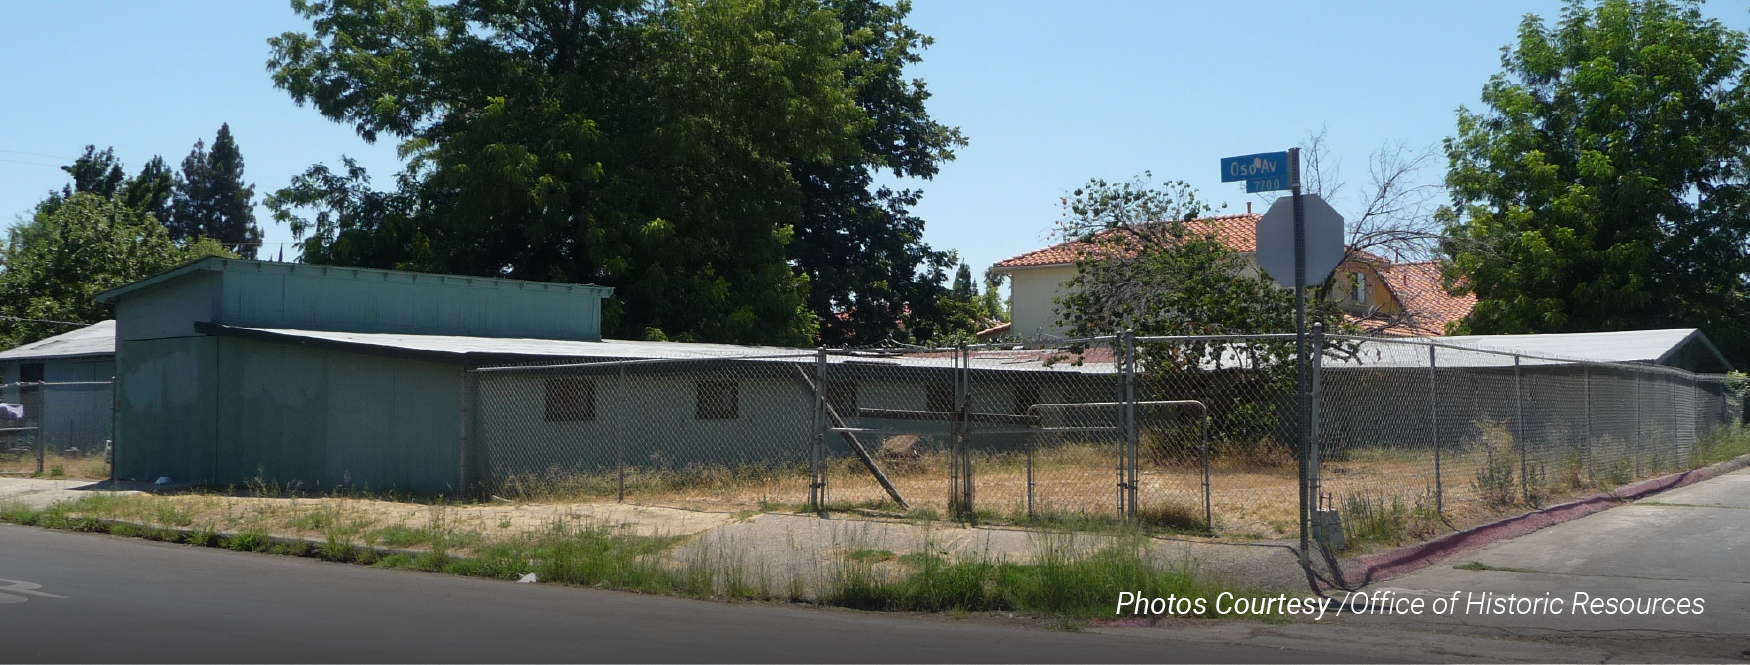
<point x="211" y="200"/>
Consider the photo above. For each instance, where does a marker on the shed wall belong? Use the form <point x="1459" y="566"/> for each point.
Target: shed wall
<point x="319" y="418"/>
<point x="166" y="415"/>
<point x="76" y="416"/>
<point x="328" y="298"/>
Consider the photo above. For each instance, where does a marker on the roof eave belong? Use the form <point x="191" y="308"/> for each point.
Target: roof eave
<point x="169" y="277"/>
<point x="1695" y="335"/>
<point x="467" y="358"/>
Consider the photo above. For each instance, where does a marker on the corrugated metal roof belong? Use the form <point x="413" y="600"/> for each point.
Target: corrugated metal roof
<point x="1640" y="346"/>
<point x="1687" y="348"/>
<point x="96" y="339"/>
<point x="493" y="350"/>
<point x="216" y="264"/>
<point x="461" y="346"/>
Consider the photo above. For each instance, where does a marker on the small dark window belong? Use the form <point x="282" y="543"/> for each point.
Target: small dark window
<point x="30" y="372"/>
<point x="1025" y="398"/>
<point x="941" y="397"/>
<point x="719" y="400"/>
<point x="570" y="399"/>
<point x="842" y="397"/>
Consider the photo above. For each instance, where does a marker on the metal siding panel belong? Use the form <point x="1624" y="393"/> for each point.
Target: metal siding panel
<point x="320" y="419"/>
<point x="394" y="424"/>
<point x="165" y="423"/>
<point x="273" y="406"/>
<point x="329" y="298"/>
<point x="170" y="311"/>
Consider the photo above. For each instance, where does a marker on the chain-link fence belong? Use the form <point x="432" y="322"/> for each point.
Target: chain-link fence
<point x="1194" y="433"/>
<point x="45" y="422"/>
<point x="1413" y="433"/>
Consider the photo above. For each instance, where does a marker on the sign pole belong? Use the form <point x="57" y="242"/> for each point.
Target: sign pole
<point x="1302" y="420"/>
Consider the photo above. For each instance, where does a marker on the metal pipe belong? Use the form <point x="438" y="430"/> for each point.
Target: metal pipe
<point x="1586" y="417"/>
<point x="1434" y="426"/>
<point x="1519" y="430"/>
<point x="817" y="452"/>
<point x="620" y="432"/>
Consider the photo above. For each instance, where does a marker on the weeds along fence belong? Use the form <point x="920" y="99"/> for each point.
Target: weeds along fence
<point x="1195" y="433"/>
<point x="1418" y="431"/>
<point x="39" y="419"/>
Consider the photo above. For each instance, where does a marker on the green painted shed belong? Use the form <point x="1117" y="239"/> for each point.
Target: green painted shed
<point x="210" y="390"/>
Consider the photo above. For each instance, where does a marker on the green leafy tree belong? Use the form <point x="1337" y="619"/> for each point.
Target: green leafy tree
<point x="211" y="199"/>
<point x="871" y="275"/>
<point x="96" y="171"/>
<point x="709" y="160"/>
<point x="1145" y="265"/>
<point x="1604" y="186"/>
<point x="151" y="190"/>
<point x="99" y="172"/>
<point x="56" y="263"/>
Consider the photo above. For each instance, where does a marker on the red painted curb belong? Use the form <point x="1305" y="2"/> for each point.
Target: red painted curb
<point x="1393" y="563"/>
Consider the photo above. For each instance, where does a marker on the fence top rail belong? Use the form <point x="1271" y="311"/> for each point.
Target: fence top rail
<point x="1140" y="339"/>
<point x="1425" y="342"/>
<point x="54" y="384"/>
<point x="799" y="355"/>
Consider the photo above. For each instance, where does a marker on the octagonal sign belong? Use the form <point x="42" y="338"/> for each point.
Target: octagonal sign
<point x="1324" y="240"/>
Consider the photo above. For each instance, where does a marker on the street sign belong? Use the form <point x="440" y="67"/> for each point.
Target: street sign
<point x="1266" y="184"/>
<point x="1254" y="167"/>
<point x="1324" y="240"/>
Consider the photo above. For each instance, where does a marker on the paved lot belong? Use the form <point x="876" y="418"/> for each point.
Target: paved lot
<point x="1692" y="542"/>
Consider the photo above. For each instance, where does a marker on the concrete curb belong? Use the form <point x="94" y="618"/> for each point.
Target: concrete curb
<point x="222" y="539"/>
<point x="1394" y="563"/>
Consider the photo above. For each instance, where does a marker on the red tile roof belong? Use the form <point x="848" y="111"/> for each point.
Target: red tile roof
<point x="1429" y="307"/>
<point x="998" y="330"/>
<point x="1238" y="232"/>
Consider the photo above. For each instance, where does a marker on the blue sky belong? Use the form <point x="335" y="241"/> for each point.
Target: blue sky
<point x="1050" y="94"/>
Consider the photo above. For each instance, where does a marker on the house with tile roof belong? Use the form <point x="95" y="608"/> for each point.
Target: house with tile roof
<point x="1378" y="295"/>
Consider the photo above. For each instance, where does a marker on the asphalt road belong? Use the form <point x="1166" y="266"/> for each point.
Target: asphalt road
<point x="127" y="600"/>
<point x="1688" y="543"/>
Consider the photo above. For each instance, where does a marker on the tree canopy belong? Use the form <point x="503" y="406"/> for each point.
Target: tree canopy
<point x="710" y="160"/>
<point x="1144" y="268"/>
<point x="210" y="199"/>
<point x="1604" y="186"/>
<point x="67" y="253"/>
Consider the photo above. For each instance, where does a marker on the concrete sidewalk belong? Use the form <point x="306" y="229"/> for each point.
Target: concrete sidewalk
<point x="40" y="493"/>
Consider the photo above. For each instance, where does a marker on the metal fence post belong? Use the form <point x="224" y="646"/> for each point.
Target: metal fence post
<point x="1519" y="430"/>
<point x="960" y="480"/>
<point x="1640" y="440"/>
<point x="1313" y="439"/>
<point x="1434" y="427"/>
<point x="620" y="432"/>
<point x="1132" y="435"/>
<point x="466" y="474"/>
<point x="817" y="452"/>
<point x="115" y="404"/>
<point x="1586" y="417"/>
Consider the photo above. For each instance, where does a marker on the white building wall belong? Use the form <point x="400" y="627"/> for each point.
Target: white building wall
<point x="1033" y="292"/>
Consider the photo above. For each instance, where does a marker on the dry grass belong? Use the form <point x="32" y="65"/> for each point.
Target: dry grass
<point x="1080" y="483"/>
<point x="84" y="467"/>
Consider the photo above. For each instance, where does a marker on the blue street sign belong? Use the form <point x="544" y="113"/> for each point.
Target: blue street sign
<point x="1266" y="184"/>
<point x="1253" y="167"/>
